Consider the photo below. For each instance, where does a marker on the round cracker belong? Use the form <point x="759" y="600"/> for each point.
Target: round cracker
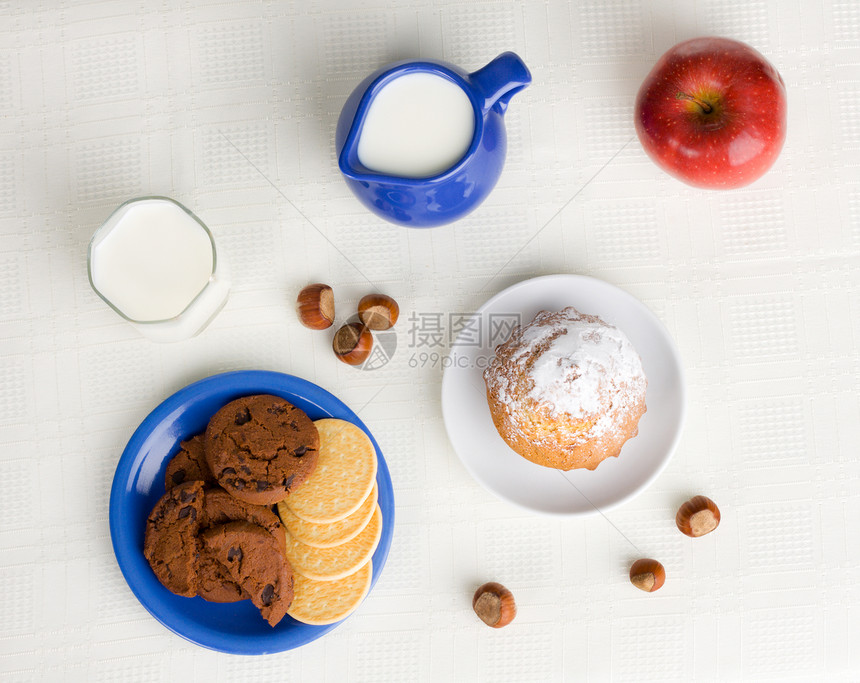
<point x="344" y="475"/>
<point x="330" y="564"/>
<point x="325" y="602"/>
<point x="335" y="533"/>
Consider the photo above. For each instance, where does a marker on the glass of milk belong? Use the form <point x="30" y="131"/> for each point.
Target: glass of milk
<point x="155" y="263"/>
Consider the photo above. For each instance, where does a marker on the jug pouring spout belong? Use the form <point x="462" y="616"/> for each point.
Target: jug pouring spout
<point x="500" y="80"/>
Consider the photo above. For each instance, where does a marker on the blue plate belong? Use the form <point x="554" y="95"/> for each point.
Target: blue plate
<point x="138" y="483"/>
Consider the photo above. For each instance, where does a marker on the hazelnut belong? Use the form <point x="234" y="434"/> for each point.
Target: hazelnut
<point x="494" y="604"/>
<point x="698" y="516"/>
<point x="352" y="343"/>
<point x="647" y="575"/>
<point x="378" y="311"/>
<point x="315" y="306"/>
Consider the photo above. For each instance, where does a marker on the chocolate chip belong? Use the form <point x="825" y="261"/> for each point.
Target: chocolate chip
<point x="227" y="471"/>
<point x="234" y="554"/>
<point x="289" y="481"/>
<point x="178" y="476"/>
<point x="188" y="511"/>
<point x="268" y="594"/>
<point x="262" y="485"/>
<point x="238" y="484"/>
<point x="300" y="451"/>
<point x="184" y="496"/>
<point x="243" y="416"/>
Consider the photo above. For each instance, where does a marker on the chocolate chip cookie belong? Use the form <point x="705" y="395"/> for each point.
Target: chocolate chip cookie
<point x="254" y="561"/>
<point x="259" y="448"/>
<point x="171" y="544"/>
<point x="188" y="464"/>
<point x="219" y="507"/>
<point x="214" y="583"/>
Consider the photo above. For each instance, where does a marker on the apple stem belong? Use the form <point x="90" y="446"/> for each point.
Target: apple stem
<point x="706" y="108"/>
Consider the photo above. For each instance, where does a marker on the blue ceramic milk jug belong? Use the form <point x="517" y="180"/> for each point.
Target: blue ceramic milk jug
<point x="421" y="202"/>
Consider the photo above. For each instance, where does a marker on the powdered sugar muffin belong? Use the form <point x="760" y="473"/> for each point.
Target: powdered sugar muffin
<point x="567" y="390"/>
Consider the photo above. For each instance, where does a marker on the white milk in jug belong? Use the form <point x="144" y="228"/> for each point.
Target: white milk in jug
<point x="417" y="126"/>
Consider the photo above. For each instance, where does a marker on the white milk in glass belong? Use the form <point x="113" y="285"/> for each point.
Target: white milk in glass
<point x="155" y="263"/>
<point x="417" y="126"/>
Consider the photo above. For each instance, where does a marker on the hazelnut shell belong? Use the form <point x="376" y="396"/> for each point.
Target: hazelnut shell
<point x="698" y="516"/>
<point x="315" y="306"/>
<point x="494" y="604"/>
<point x="378" y="311"/>
<point x="647" y="575"/>
<point x="352" y="343"/>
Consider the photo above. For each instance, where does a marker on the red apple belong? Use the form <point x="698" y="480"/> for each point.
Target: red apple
<point x="712" y="113"/>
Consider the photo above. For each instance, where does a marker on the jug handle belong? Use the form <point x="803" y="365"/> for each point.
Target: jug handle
<point x="500" y="80"/>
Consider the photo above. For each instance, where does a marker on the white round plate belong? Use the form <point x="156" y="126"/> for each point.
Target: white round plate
<point x="542" y="489"/>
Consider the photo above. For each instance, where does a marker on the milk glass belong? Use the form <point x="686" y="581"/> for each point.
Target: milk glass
<point x="155" y="263"/>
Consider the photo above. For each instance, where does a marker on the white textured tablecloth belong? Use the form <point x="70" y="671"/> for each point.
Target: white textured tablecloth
<point x="230" y="108"/>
